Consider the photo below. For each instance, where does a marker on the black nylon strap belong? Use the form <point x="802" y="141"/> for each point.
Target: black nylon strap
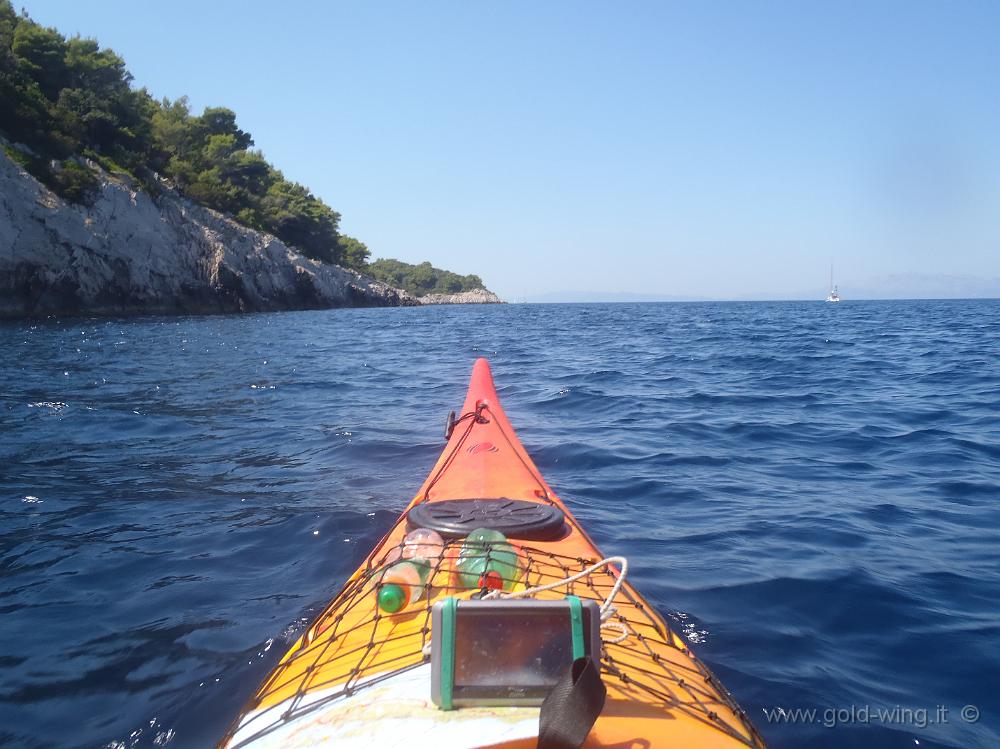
<point x="572" y="707"/>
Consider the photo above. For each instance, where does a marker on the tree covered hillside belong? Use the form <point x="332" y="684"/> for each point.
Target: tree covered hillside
<point x="421" y="279"/>
<point x="64" y="99"/>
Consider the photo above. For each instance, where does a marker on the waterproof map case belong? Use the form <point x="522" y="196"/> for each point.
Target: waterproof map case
<point x="507" y="651"/>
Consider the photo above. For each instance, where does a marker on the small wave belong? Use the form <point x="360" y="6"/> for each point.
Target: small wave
<point x="56" y="406"/>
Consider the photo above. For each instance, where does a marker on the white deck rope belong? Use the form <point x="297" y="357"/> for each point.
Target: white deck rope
<point x="607" y="608"/>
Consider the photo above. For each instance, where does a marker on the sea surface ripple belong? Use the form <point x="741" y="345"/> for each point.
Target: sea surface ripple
<point x="809" y="492"/>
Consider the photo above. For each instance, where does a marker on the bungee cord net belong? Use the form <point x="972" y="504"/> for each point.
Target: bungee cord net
<point x="354" y="645"/>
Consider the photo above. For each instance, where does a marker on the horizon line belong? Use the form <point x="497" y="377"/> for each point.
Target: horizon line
<point x="753" y="301"/>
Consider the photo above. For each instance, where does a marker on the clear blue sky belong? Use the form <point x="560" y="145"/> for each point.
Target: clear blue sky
<point x="723" y="150"/>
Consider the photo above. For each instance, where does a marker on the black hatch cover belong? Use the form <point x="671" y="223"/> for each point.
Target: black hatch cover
<point x="515" y="518"/>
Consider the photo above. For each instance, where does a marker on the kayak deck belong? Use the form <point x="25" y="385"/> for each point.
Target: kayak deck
<point x="359" y="675"/>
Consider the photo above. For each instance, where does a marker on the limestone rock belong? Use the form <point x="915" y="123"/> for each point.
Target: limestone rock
<point x="476" y="296"/>
<point x="129" y="254"/>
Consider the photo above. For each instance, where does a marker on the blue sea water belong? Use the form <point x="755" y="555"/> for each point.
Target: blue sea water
<point x="809" y="493"/>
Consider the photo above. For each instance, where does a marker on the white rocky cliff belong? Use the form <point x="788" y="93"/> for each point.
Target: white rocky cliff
<point x="127" y="254"/>
<point x="475" y="296"/>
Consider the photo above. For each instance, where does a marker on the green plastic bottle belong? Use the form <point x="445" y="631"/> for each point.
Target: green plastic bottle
<point x="402" y="584"/>
<point x="487" y="560"/>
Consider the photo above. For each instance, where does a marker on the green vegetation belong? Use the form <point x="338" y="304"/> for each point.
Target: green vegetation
<point x="68" y="100"/>
<point x="421" y="279"/>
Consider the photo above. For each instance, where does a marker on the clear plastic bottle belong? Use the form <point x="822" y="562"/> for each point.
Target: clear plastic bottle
<point x="423" y="543"/>
<point x="420" y="544"/>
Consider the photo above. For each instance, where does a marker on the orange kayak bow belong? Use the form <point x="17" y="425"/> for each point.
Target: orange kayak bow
<point x="361" y="677"/>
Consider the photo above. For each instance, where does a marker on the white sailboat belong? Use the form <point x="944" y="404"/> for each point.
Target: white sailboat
<point x="833" y="296"/>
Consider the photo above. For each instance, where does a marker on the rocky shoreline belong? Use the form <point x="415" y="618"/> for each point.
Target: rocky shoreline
<point x="476" y="296"/>
<point x="127" y="254"/>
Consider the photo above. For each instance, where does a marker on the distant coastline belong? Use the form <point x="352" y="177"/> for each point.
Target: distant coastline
<point x="895" y="288"/>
